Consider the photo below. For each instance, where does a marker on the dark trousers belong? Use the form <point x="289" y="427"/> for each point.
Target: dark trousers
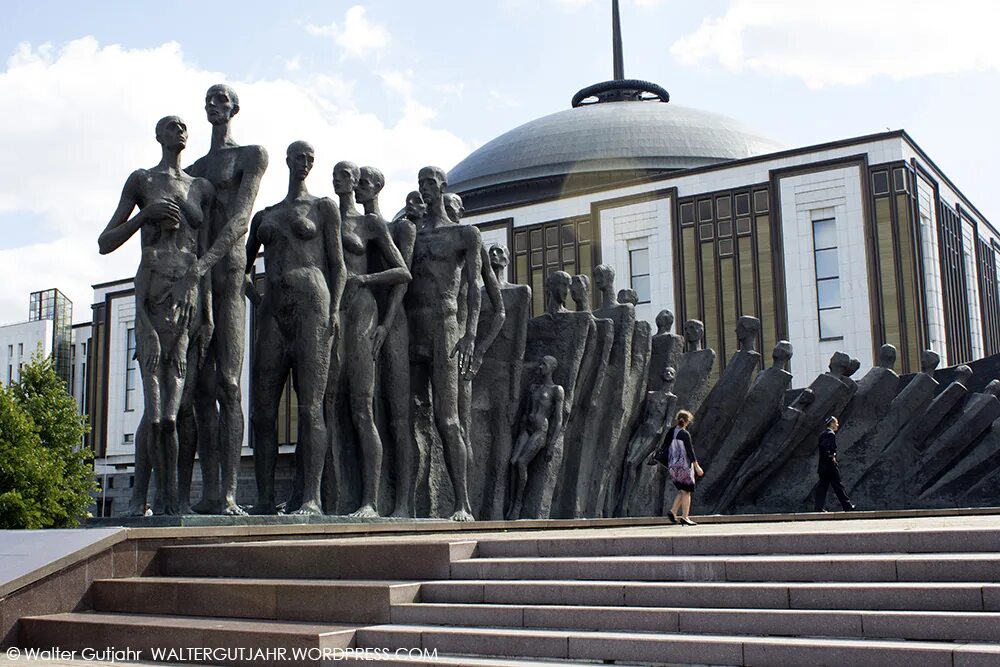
<point x="830" y="476"/>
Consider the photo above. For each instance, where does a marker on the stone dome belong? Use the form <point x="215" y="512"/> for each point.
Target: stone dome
<point x="623" y="137"/>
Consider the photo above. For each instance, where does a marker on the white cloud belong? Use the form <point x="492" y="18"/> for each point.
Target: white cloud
<point x="848" y="42"/>
<point x="357" y="36"/>
<point x="74" y="122"/>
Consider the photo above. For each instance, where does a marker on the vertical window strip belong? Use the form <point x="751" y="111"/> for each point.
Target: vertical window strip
<point x="826" y="256"/>
<point x="130" y="369"/>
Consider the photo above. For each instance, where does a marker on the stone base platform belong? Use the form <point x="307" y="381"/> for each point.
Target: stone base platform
<point x="822" y="589"/>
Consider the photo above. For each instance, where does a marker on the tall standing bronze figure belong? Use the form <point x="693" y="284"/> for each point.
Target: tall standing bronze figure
<point x="391" y="341"/>
<point x="446" y="261"/>
<point x="294" y="325"/>
<point x="173" y="208"/>
<point x="361" y="234"/>
<point x="235" y="171"/>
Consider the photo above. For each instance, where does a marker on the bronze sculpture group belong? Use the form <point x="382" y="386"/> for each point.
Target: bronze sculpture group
<point x="413" y="359"/>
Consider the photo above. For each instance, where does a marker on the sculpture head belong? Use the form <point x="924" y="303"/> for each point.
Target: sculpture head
<point x="300" y="156"/>
<point x="852" y="367"/>
<point x="580" y="290"/>
<point x="171" y="132"/>
<point x="604" y="278"/>
<point x="669" y="376"/>
<point x="431" y="182"/>
<point x="747" y="328"/>
<point x="416" y="209"/>
<point x="628" y="295"/>
<point x="557" y="289"/>
<point x="782" y="354"/>
<point x="963" y="374"/>
<point x="887" y="356"/>
<point x="221" y="104"/>
<point x="370" y="184"/>
<point x="993" y="388"/>
<point x="453" y="207"/>
<point x="664" y="322"/>
<point x="839" y="364"/>
<point x="499" y="258"/>
<point x="345" y="177"/>
<point x="929" y="360"/>
<point x="694" y="332"/>
<point x="547" y="366"/>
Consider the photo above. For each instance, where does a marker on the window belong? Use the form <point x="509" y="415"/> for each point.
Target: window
<point x="20" y="349"/>
<point x="10" y="350"/>
<point x="880" y="182"/>
<point x="10" y="374"/>
<point x="827" y="278"/>
<point x="130" y="369"/>
<point x="638" y="261"/>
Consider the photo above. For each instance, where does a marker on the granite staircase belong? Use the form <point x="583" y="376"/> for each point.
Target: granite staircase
<point x="817" y="596"/>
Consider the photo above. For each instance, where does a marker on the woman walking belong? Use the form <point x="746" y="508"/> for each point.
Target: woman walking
<point x="683" y="466"/>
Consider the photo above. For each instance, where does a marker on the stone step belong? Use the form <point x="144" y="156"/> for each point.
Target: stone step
<point x="980" y="567"/>
<point x="918" y="625"/>
<point x="315" y="560"/>
<point x="238" y="642"/>
<point x="337" y="601"/>
<point x="682" y="541"/>
<point x="771" y="595"/>
<point x="683" y="648"/>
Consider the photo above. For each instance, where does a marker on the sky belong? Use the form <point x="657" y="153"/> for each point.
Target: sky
<point x="401" y="84"/>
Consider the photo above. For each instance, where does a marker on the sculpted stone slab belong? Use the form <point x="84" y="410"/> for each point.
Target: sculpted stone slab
<point x="496" y="393"/>
<point x="667" y="348"/>
<point x="579" y="443"/>
<point x="716" y="414"/>
<point x="761" y="408"/>
<point x="695" y="369"/>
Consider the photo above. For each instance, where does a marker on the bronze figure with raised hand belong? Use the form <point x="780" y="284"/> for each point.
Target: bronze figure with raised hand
<point x="173" y="208"/>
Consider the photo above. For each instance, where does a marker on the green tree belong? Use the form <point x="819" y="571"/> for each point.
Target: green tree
<point x="46" y="475"/>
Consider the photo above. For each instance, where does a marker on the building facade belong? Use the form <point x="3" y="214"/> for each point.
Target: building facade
<point x="49" y="330"/>
<point x="841" y="246"/>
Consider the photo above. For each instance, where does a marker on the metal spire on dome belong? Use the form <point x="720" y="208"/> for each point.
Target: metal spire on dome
<point x="616" y="42"/>
<point x="619" y="89"/>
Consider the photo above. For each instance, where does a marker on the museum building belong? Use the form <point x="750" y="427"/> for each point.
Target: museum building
<point x="842" y="246"/>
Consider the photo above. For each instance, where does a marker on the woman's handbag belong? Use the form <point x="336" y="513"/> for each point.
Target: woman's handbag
<point x="681" y="470"/>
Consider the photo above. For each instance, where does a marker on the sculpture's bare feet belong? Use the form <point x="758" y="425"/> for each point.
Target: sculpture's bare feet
<point x="310" y="508"/>
<point x="402" y="513"/>
<point x="462" y="515"/>
<point x="207" y="506"/>
<point x="365" y="512"/>
<point x="232" y="509"/>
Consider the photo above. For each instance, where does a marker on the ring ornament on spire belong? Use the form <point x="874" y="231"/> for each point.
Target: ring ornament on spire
<point x="624" y="90"/>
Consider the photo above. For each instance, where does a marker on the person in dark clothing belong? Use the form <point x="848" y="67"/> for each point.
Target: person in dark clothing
<point x="689" y="464"/>
<point x="829" y="473"/>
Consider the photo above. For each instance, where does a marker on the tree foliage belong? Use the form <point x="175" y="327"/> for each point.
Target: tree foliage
<point x="46" y="475"/>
